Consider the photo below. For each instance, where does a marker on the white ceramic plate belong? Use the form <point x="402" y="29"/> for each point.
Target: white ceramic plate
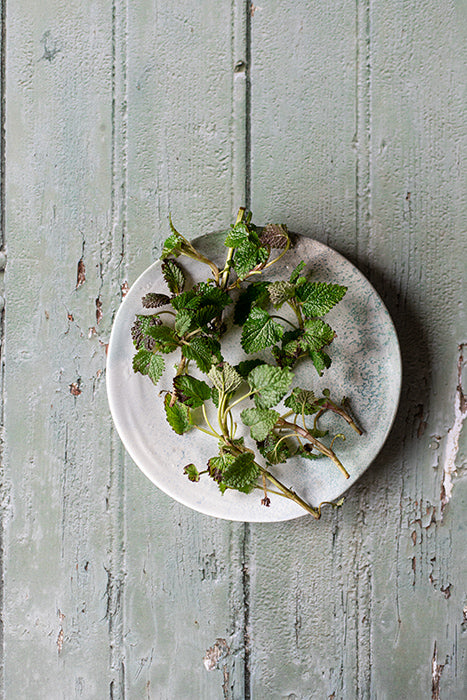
<point x="366" y="367"/>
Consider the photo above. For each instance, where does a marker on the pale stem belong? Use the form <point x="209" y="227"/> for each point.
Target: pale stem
<point x="319" y="445"/>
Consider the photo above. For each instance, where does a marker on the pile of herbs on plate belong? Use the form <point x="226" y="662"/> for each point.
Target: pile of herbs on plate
<point x="283" y="420"/>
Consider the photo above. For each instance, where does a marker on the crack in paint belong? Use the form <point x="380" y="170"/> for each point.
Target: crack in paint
<point x="453" y="435"/>
<point x="436" y="672"/>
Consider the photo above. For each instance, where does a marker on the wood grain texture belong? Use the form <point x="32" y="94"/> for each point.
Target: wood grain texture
<point x="110" y="587"/>
<point x="374" y="606"/>
<point x="183" y="570"/>
<point x="345" y="121"/>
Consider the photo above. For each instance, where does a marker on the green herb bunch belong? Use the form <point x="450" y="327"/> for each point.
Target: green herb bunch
<point x="191" y="322"/>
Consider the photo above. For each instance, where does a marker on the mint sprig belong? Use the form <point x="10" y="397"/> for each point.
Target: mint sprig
<point x="279" y="317"/>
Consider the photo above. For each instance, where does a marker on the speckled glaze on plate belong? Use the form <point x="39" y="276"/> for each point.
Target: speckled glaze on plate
<point x="366" y="367"/>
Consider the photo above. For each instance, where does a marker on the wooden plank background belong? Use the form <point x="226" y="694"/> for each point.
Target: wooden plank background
<point x="346" y="121"/>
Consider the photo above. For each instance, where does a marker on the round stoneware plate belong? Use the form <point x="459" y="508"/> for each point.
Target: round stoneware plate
<point x="366" y="368"/>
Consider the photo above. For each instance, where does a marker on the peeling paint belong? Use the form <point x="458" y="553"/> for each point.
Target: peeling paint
<point x="99" y="313"/>
<point x="125" y="289"/>
<point x="453" y="435"/>
<point x="219" y="651"/>
<point x="60" y="640"/>
<point x="80" y="274"/>
<point x="436" y="672"/>
<point x="74" y="388"/>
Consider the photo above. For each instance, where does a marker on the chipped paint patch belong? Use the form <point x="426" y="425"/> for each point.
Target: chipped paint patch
<point x="219" y="651"/>
<point x="436" y="672"/>
<point x="452" y="439"/>
<point x="99" y="313"/>
<point x="75" y="388"/>
<point x="80" y="274"/>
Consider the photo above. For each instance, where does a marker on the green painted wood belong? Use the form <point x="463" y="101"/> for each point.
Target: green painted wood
<point x="347" y="122"/>
<point x="62" y="507"/>
<point x="372" y="597"/>
<point x="183" y="583"/>
<point x="110" y="588"/>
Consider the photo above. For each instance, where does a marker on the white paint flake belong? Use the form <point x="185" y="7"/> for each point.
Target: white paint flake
<point x="452" y="438"/>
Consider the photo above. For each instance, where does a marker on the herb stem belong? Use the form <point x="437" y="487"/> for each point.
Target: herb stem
<point x="272" y="262"/>
<point x="290" y="494"/>
<point x="203" y="430"/>
<point x="226" y="270"/>
<point x="242" y="398"/>
<point x="328" y="452"/>
<point x="286" y="320"/>
<point x="331" y="406"/>
<point x="296" y="309"/>
<point x="214" y="432"/>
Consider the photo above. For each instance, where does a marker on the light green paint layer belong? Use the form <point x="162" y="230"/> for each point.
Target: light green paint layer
<point x="117" y="114"/>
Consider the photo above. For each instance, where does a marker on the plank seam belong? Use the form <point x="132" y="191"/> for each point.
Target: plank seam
<point x="119" y="223"/>
<point x="2" y="120"/>
<point x="246" y="611"/>
<point x="3" y="35"/>
<point x="248" y="57"/>
<point x="362" y="139"/>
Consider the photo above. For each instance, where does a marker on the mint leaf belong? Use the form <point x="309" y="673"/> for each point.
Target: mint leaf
<point x="224" y="377"/>
<point x="260" y="331"/>
<point x="192" y="472"/>
<point x="217" y="465"/>
<point x="183" y="321"/>
<point x="173" y="276"/>
<point x="244" y="368"/>
<point x="297" y="272"/>
<point x="319" y="297"/>
<point x="178" y="415"/>
<point x="172" y="246"/>
<point x="204" y="316"/>
<point x="186" y="300"/>
<point x="141" y="326"/>
<point x="260" y="420"/>
<point x="212" y="296"/>
<point x="247" y="256"/>
<point x="274" y="449"/>
<point x="154" y="301"/>
<point x="271" y="383"/>
<point x="280" y="292"/>
<point x="141" y="361"/>
<point x="321" y="360"/>
<point x="156" y="368"/>
<point x="242" y="474"/>
<point x="215" y="396"/>
<point x="317" y="334"/>
<point x="274" y="235"/>
<point x="255" y="294"/>
<point x="201" y="350"/>
<point x="302" y="401"/>
<point x="166" y="340"/>
<point x="191" y="391"/>
<point x="237" y="235"/>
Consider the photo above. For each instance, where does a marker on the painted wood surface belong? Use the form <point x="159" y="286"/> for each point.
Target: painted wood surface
<point x="345" y="121"/>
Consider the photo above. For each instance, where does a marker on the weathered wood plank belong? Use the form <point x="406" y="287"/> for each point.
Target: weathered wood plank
<point x="111" y="139"/>
<point x="303" y="128"/>
<point x="2" y="318"/>
<point x="418" y="179"/>
<point x="370" y="600"/>
<point x="60" y="526"/>
<point x="118" y="113"/>
<point x="183" y="582"/>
